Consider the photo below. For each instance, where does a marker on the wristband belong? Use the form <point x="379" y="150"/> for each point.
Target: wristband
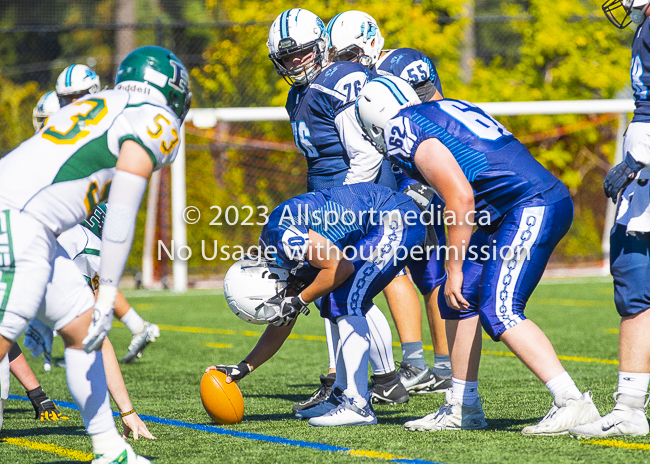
<point x="302" y="301"/>
<point x="128" y="413"/>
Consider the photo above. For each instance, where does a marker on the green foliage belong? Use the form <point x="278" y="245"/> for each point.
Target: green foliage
<point x="16" y="105"/>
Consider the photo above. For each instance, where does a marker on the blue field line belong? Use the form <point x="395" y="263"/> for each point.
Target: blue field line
<point x="245" y="435"/>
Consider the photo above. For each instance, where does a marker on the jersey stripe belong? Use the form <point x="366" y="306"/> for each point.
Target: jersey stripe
<point x="471" y="161"/>
<point x="401" y="99"/>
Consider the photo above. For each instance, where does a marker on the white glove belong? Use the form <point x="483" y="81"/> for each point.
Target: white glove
<point x="38" y="340"/>
<point x="102" y="317"/>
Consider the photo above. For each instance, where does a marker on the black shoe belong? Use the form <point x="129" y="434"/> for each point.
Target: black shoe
<point x="388" y="389"/>
<point x="323" y="392"/>
<point x="438" y="385"/>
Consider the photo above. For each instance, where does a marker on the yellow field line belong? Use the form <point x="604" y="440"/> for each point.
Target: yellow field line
<point x="218" y="345"/>
<point x="619" y="444"/>
<point x="374" y="454"/>
<point x="612" y="331"/>
<point x="250" y="333"/>
<point x="49" y="448"/>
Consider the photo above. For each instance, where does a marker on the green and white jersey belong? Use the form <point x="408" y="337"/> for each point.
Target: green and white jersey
<point x="60" y="174"/>
<point x="83" y="247"/>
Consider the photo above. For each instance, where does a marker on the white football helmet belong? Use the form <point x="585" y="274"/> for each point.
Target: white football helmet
<point x="298" y="34"/>
<point x="46" y="106"/>
<point x="354" y="35"/>
<point x="249" y="284"/>
<point x="76" y="81"/>
<point x="623" y="12"/>
<point x="379" y="101"/>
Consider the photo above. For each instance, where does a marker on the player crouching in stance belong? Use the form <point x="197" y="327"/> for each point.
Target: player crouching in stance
<point x="487" y="178"/>
<point x="349" y="242"/>
<point x="52" y="182"/>
<point x="630" y="243"/>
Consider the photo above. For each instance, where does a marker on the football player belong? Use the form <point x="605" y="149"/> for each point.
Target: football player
<point x="73" y="83"/>
<point x="321" y="110"/>
<point x="355" y="36"/>
<point x="349" y="242"/>
<point x="109" y="140"/>
<point x="630" y="241"/>
<point x="487" y="178"/>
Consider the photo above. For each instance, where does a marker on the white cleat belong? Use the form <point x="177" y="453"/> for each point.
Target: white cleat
<point x="564" y="414"/>
<point x="140" y="341"/>
<point x="346" y="414"/>
<point x="628" y="419"/>
<point x="125" y="456"/>
<point x="451" y="416"/>
<point x="323" y="407"/>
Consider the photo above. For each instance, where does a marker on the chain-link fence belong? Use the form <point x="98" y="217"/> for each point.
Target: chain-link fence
<point x="247" y="164"/>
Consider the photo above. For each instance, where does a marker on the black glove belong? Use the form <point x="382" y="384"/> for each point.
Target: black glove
<point x="423" y="196"/>
<point x="235" y="372"/>
<point x="620" y="175"/>
<point x="287" y="309"/>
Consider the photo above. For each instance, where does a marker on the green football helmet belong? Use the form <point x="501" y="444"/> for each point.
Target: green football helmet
<point x="95" y="222"/>
<point x="159" y="68"/>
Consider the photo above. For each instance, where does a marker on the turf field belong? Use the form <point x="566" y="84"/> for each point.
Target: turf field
<point x="197" y="330"/>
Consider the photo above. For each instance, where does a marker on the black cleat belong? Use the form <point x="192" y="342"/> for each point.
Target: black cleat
<point x="388" y="389"/>
<point x="425" y="380"/>
<point x="323" y="392"/>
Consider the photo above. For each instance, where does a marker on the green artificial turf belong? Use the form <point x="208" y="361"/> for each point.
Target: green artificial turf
<point x="577" y="316"/>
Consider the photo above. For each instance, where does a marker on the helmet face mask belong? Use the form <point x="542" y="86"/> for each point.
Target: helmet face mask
<point x="298" y="46"/>
<point x="623" y="12"/>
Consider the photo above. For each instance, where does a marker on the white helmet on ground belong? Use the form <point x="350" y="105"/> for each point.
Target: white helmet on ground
<point x="297" y="34"/>
<point x="46" y="106"/>
<point x="76" y="81"/>
<point x="379" y="101"/>
<point x="354" y="35"/>
<point x="623" y="12"/>
<point x="249" y="285"/>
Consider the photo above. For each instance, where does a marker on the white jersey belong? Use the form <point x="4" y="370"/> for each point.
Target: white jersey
<point x="83" y="247"/>
<point x="60" y="174"/>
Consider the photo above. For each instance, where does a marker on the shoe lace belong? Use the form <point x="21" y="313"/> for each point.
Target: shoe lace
<point x="320" y="392"/>
<point x="406" y="369"/>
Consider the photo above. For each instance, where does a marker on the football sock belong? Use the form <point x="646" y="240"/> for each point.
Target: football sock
<point x="87" y="384"/>
<point x="107" y="442"/>
<point x="462" y="390"/>
<point x="331" y="348"/>
<point x="4" y="378"/>
<point x="563" y="383"/>
<point x="355" y="345"/>
<point x="133" y="321"/>
<point x="413" y="352"/>
<point x="442" y="365"/>
<point x="633" y="383"/>
<point x="341" y="374"/>
<point x="381" y="342"/>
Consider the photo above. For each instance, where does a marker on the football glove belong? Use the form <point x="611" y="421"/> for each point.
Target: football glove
<point x="38" y="340"/>
<point x="423" y="196"/>
<point x="287" y="309"/>
<point x="102" y="318"/>
<point x="620" y="175"/>
<point x="44" y="407"/>
<point x="235" y="372"/>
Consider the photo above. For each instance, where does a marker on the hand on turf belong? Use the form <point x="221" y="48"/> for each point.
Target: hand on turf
<point x="288" y="310"/>
<point x="454" y="291"/>
<point x="133" y="423"/>
<point x="38" y="339"/>
<point x="234" y="372"/>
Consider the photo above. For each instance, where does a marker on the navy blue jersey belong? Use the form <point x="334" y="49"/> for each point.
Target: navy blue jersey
<point x="343" y="215"/>
<point x="500" y="169"/>
<point x="411" y="65"/>
<point x="326" y="131"/>
<point x="640" y="72"/>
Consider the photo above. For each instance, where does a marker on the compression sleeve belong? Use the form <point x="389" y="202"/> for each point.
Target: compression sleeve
<point x="365" y="160"/>
<point x="124" y="200"/>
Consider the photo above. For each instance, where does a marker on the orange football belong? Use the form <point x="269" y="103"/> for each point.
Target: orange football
<point x="222" y="401"/>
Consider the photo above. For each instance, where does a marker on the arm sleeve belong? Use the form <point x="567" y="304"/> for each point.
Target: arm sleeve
<point x="365" y="160"/>
<point x="124" y="200"/>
